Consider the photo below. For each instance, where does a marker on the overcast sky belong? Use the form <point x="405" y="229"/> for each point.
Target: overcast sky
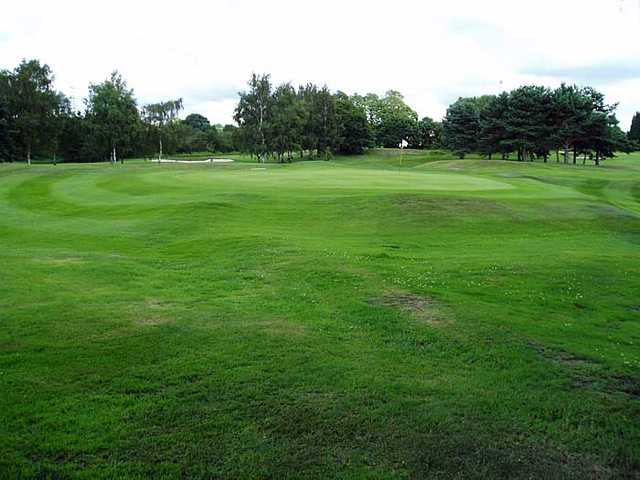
<point x="432" y="51"/>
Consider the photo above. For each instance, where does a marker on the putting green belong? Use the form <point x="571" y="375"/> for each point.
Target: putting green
<point x="157" y="184"/>
<point x="336" y="178"/>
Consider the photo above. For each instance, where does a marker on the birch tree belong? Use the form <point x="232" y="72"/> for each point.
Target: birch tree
<point x="161" y="114"/>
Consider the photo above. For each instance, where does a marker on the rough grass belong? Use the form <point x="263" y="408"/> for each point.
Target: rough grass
<point x="361" y="318"/>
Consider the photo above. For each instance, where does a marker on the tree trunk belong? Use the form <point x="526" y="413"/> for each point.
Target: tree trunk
<point x="160" y="154"/>
<point x="557" y="156"/>
<point x="566" y="153"/>
<point x="29" y="154"/>
<point x="575" y="155"/>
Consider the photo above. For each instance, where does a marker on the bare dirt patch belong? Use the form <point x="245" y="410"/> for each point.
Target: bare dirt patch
<point x="628" y="385"/>
<point x="153" y="313"/>
<point x="562" y="357"/>
<point x="60" y="261"/>
<point x="591" y="375"/>
<point x="423" y="308"/>
<point x="153" y="303"/>
<point x="283" y="327"/>
<point x="153" y="320"/>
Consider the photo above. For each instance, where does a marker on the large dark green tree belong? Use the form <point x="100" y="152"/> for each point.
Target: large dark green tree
<point x="77" y="139"/>
<point x="229" y="138"/>
<point x="428" y="134"/>
<point x="287" y="122"/>
<point x="60" y="115"/>
<point x="323" y="122"/>
<point x="493" y="136"/>
<point x="208" y="140"/>
<point x="527" y="121"/>
<point x="370" y="104"/>
<point x="198" y="122"/>
<point x="32" y="102"/>
<point x="393" y="120"/>
<point x="461" y="127"/>
<point x="253" y="114"/>
<point x="306" y="98"/>
<point x="602" y="137"/>
<point x="112" y="109"/>
<point x="6" y="120"/>
<point x="570" y="111"/>
<point x="634" y="131"/>
<point x="353" y="134"/>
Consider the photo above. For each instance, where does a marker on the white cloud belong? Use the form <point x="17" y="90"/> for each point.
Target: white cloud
<point x="433" y="51"/>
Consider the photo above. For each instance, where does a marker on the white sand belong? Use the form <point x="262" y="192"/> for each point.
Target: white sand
<point x="208" y="160"/>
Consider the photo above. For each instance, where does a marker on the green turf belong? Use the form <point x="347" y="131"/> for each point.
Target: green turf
<point x="369" y="317"/>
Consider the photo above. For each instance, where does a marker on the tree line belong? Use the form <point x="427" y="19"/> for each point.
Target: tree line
<point x="532" y="122"/>
<point x="38" y="121"/>
<point x="528" y="123"/>
<point x="281" y="122"/>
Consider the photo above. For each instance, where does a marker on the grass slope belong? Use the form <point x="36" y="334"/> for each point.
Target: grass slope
<point x="359" y="318"/>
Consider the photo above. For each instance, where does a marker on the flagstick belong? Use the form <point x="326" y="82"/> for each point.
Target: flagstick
<point x="402" y="144"/>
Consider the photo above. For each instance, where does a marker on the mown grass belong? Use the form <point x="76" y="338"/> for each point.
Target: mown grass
<point x="367" y="317"/>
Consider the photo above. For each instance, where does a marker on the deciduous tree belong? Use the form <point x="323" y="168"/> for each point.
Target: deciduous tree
<point x="353" y="134"/>
<point x="254" y="113"/>
<point x="428" y="134"/>
<point x="160" y="115"/>
<point x="32" y="103"/>
<point x="112" y="109"/>
<point x="197" y="121"/>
